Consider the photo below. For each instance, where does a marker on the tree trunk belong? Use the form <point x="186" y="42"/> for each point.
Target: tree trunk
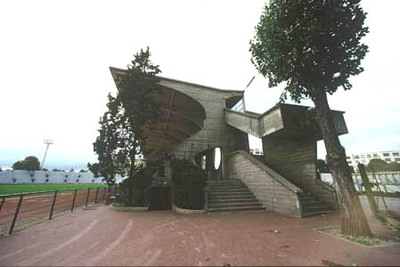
<point x="368" y="190"/>
<point x="353" y="221"/>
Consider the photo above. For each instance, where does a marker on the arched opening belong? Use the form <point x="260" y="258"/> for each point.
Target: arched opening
<point x="211" y="161"/>
<point x="217" y="158"/>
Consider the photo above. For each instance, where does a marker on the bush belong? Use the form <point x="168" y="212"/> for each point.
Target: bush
<point x="189" y="181"/>
<point x="132" y="189"/>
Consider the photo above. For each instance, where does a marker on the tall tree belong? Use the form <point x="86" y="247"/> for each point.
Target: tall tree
<point x="120" y="134"/>
<point x="314" y="46"/>
<point x="114" y="144"/>
<point x="30" y="163"/>
<point x="377" y="165"/>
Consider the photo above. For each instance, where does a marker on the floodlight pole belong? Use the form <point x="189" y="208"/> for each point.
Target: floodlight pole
<point x="48" y="142"/>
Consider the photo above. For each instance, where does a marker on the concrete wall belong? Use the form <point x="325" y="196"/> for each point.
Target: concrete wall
<point x="270" y="188"/>
<point x="295" y="160"/>
<point x="215" y="131"/>
<point x="39" y="177"/>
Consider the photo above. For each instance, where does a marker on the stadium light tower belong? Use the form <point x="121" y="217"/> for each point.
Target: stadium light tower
<point x="48" y="142"/>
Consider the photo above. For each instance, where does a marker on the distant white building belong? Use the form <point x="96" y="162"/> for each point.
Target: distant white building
<point x="364" y="158"/>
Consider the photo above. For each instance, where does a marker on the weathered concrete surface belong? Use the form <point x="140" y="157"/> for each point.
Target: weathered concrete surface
<point x="274" y="191"/>
<point x="100" y="236"/>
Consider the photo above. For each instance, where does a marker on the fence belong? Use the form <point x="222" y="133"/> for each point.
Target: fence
<point x="388" y="182"/>
<point x="17" y="211"/>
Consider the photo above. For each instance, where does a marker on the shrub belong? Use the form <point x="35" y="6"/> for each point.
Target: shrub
<point x="132" y="189"/>
<point x="189" y="180"/>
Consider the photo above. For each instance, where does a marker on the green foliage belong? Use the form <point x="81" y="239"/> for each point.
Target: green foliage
<point x="393" y="167"/>
<point x="376" y="165"/>
<point x="27" y="188"/>
<point x="120" y="133"/>
<point x="311" y="45"/>
<point x="315" y="46"/>
<point x="83" y="170"/>
<point x="189" y="181"/>
<point x="133" y="189"/>
<point x="30" y="163"/>
<point x="93" y="168"/>
<point x="379" y="165"/>
<point x="322" y="167"/>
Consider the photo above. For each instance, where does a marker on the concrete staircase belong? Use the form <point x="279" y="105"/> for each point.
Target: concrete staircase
<point x="311" y="206"/>
<point x="230" y="196"/>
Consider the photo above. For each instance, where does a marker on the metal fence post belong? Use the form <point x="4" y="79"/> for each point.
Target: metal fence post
<point x="104" y="193"/>
<point x="52" y="205"/>
<point x="16" y="214"/>
<point x="87" y="197"/>
<point x="97" y="193"/>
<point x="2" y="202"/>
<point x="73" y="200"/>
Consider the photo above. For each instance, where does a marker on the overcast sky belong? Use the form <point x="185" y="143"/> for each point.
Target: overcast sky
<point x="55" y="58"/>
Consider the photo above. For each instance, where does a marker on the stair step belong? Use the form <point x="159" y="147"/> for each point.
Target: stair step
<point x="314" y="213"/>
<point x="313" y="203"/>
<point x="229" y="205"/>
<point x="224" y="181"/>
<point x="234" y="200"/>
<point x="242" y="192"/>
<point x="317" y="208"/>
<point x="213" y="187"/>
<point x="234" y="190"/>
<point x="230" y="196"/>
<point x="234" y="209"/>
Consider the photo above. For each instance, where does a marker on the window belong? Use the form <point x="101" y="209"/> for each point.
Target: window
<point x="203" y="162"/>
<point x="395" y="154"/>
<point x="376" y="156"/>
<point x="357" y="157"/>
<point x="369" y="156"/>
<point x="388" y="159"/>
<point x="386" y="154"/>
<point x="217" y="158"/>
<point x="397" y="159"/>
<point x="363" y="156"/>
<point x="348" y="157"/>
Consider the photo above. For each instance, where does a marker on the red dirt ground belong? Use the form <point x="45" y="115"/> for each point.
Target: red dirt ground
<point x="101" y="236"/>
<point x="37" y="207"/>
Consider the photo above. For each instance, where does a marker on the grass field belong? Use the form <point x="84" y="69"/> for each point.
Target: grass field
<point x="23" y="188"/>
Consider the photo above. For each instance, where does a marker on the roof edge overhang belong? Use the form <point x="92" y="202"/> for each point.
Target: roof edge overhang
<point x="115" y="71"/>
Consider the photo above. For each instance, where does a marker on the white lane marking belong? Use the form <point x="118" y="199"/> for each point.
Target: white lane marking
<point x="153" y="258"/>
<point x="18" y="251"/>
<point x="61" y="246"/>
<point x="113" y="245"/>
<point x="68" y="260"/>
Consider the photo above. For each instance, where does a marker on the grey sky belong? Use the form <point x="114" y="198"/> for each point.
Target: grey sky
<point x="54" y="59"/>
